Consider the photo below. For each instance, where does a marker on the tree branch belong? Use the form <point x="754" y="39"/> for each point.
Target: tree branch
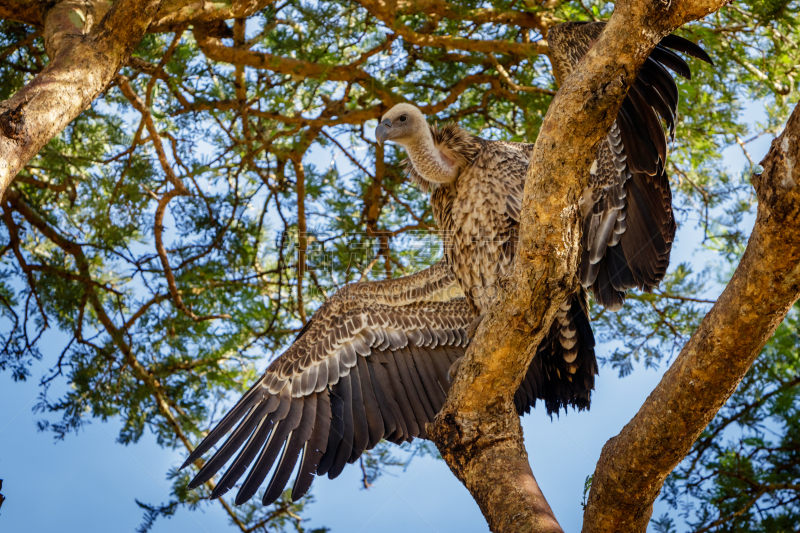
<point x="86" y="44"/>
<point x="507" y="77"/>
<point x="478" y="431"/>
<point x="176" y="13"/>
<point x="715" y="360"/>
<point x="213" y="48"/>
<point x="25" y="11"/>
<point x="383" y="11"/>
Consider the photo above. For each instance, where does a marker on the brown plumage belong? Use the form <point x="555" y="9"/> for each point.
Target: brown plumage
<point x="373" y="361"/>
<point x="477" y="212"/>
<point x="371" y="364"/>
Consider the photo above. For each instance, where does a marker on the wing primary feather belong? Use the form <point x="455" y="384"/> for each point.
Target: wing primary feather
<point x="242" y="432"/>
<point x="653" y="73"/>
<point x="413" y="372"/>
<point x="314" y="448"/>
<point x="619" y="274"/>
<point x="401" y="395"/>
<point x="651" y="95"/>
<point x="345" y="449"/>
<point x="442" y="364"/>
<point x="605" y="293"/>
<point x="400" y="360"/>
<point x="653" y="125"/>
<point x="360" y="425"/>
<point x="335" y="433"/>
<point x="427" y="375"/>
<point x="371" y="408"/>
<point x="291" y="451"/>
<point x="249" y="399"/>
<point x="638" y="136"/>
<point x="671" y="60"/>
<point x="519" y="401"/>
<point x="392" y="422"/>
<point x="686" y="46"/>
<point x="252" y="447"/>
<point x="275" y="443"/>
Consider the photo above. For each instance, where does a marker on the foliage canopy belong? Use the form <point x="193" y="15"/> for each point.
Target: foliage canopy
<point x="172" y="300"/>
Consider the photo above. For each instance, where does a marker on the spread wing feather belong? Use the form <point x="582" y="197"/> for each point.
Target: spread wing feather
<point x="383" y="382"/>
<point x="628" y="188"/>
<point x="346" y="445"/>
<point x="385" y="376"/>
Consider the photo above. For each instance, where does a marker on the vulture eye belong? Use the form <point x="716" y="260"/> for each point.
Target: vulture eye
<point x="403" y="118"/>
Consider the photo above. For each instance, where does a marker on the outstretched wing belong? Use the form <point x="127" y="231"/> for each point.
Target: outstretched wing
<point x="361" y="372"/>
<point x="371" y="364"/>
<point x="628" y="220"/>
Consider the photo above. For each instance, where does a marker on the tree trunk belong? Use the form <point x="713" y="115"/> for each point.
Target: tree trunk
<point x="87" y="42"/>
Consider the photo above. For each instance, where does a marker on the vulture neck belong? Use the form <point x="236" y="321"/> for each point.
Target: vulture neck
<point x="431" y="161"/>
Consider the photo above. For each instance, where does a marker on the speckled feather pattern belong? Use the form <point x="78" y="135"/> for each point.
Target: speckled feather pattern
<point x="478" y="215"/>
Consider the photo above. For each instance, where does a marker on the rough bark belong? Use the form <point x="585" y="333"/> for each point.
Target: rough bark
<point x="86" y="50"/>
<point x="87" y="42"/>
<point x="635" y="463"/>
<point x="26" y="11"/>
<point x="478" y="431"/>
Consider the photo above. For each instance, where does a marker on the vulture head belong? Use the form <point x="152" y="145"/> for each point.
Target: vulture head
<point x="433" y="161"/>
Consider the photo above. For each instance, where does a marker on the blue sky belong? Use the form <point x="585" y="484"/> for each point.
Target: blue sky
<point x="90" y="481"/>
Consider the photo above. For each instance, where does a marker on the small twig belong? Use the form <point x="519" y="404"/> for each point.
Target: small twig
<point x="162" y="254"/>
<point x="520" y="88"/>
<point x="350" y="157"/>
<point x="684" y="298"/>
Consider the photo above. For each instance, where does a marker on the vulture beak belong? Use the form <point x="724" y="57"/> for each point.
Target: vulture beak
<point x="383" y="130"/>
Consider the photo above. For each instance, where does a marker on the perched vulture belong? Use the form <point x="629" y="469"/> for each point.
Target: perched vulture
<point x="373" y="361"/>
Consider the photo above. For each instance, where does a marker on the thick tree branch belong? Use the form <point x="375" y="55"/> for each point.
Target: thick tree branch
<point x="766" y="283"/>
<point x="176" y="13"/>
<point x="26" y="11"/>
<point x="477" y="430"/>
<point x="87" y="42"/>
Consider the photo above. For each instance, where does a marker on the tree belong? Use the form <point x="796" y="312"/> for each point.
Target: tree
<point x="150" y="159"/>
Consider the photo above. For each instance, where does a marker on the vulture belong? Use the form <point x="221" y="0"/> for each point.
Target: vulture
<point x="373" y="362"/>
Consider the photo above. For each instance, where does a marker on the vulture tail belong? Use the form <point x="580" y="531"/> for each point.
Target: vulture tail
<point x="563" y="370"/>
